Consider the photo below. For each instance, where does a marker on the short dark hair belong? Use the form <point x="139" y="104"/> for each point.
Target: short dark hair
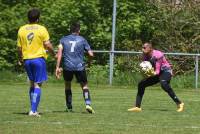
<point x="75" y="27"/>
<point x="149" y="44"/>
<point x="33" y="15"/>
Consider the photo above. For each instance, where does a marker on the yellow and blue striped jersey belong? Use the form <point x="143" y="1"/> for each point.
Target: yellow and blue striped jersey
<point x="31" y="38"/>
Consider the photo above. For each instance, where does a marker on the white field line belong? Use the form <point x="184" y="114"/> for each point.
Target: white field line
<point x="101" y="123"/>
<point x="45" y="122"/>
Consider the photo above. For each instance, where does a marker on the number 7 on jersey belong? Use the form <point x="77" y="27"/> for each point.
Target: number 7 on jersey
<point x="73" y="44"/>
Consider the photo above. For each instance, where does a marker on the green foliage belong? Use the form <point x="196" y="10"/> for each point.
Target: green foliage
<point x="98" y="74"/>
<point x="186" y="80"/>
<point x="7" y="76"/>
<point x="171" y="28"/>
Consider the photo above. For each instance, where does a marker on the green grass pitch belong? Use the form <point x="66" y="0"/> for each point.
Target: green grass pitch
<point x="159" y="114"/>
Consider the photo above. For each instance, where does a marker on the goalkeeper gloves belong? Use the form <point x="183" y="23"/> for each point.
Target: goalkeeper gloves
<point x="149" y="72"/>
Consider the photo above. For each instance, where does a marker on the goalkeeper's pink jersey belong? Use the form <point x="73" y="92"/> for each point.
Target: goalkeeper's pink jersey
<point x="158" y="61"/>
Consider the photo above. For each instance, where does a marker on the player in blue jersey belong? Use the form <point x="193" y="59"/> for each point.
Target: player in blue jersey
<point x="70" y="54"/>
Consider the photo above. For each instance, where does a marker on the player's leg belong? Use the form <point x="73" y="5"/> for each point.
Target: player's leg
<point x="68" y="76"/>
<point x="68" y="95"/>
<point x="87" y="98"/>
<point x="31" y="93"/>
<point x="141" y="89"/>
<point x="142" y="86"/>
<point x="39" y="74"/>
<point x="82" y="79"/>
<point x="35" y="99"/>
<point x="165" y="78"/>
<point x="86" y="93"/>
<point x="28" y="68"/>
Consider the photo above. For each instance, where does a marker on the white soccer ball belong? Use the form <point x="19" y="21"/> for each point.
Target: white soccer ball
<point x="145" y="66"/>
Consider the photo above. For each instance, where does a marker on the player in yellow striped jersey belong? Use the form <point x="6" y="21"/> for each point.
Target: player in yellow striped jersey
<point x="33" y="42"/>
<point x="31" y="38"/>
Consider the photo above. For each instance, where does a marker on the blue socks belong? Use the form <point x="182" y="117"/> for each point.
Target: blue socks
<point x="31" y="92"/>
<point x="35" y="94"/>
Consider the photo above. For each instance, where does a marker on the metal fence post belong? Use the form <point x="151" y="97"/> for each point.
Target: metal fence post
<point x="113" y="42"/>
<point x="111" y="67"/>
<point x="196" y="71"/>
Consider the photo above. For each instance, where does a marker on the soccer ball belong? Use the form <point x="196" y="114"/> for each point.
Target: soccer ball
<point x="146" y="66"/>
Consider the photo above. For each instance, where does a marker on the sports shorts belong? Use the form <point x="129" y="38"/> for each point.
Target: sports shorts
<point x="81" y="76"/>
<point x="36" y="69"/>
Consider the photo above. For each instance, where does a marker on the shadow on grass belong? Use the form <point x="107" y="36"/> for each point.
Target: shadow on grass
<point x="159" y="109"/>
<point x="21" y="113"/>
<point x="58" y="111"/>
<point x="24" y="113"/>
<point x="64" y="111"/>
<point x="77" y="112"/>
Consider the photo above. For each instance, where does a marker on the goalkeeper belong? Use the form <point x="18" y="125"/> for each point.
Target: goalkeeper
<point x="162" y="73"/>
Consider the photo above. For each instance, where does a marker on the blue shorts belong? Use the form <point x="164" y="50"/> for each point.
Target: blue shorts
<point x="36" y="69"/>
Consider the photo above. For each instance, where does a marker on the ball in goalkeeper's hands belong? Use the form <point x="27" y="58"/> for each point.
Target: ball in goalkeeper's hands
<point x="145" y="66"/>
<point x="147" y="69"/>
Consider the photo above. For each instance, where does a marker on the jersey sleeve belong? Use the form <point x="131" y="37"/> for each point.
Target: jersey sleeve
<point x="45" y="34"/>
<point x="60" y="46"/>
<point x="158" y="63"/>
<point x="86" y="45"/>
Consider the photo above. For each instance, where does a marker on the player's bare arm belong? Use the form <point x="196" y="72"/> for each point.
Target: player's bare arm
<point x="20" y="56"/>
<point x="49" y="47"/>
<point x="59" y="56"/>
<point x="91" y="55"/>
